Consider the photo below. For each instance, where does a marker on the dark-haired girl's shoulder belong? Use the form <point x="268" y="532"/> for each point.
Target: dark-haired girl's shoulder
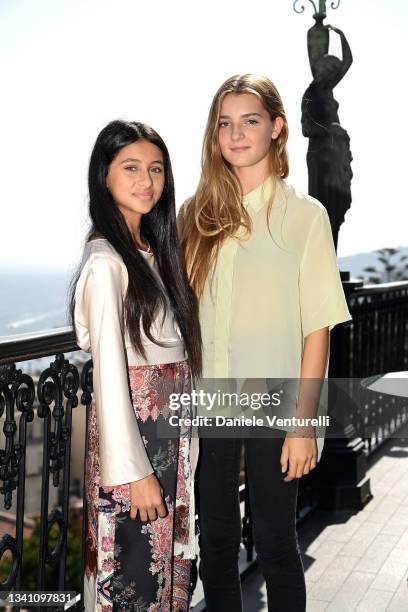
<point x="104" y="263"/>
<point x="102" y="285"/>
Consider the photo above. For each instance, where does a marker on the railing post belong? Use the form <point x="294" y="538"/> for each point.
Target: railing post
<point x="247" y="535"/>
<point x="343" y="482"/>
<point x="86" y="399"/>
<point x="16" y="392"/>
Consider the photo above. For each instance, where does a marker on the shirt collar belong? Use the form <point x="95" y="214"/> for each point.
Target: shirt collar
<point x="258" y="197"/>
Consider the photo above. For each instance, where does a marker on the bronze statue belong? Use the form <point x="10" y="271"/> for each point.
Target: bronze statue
<point x="328" y="156"/>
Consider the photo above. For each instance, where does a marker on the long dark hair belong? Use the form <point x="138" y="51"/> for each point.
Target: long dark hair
<point x="158" y="229"/>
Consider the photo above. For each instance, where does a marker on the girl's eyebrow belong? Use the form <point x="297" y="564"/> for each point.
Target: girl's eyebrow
<point x="133" y="159"/>
<point x="244" y="116"/>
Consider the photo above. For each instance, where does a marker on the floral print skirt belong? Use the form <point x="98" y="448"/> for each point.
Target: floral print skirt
<point x="130" y="564"/>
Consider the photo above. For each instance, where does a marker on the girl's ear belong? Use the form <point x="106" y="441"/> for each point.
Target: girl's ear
<point x="277" y="127"/>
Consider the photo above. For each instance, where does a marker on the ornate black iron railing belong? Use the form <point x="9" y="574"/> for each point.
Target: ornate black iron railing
<point x="374" y="343"/>
<point x="377" y="339"/>
<point x="52" y="400"/>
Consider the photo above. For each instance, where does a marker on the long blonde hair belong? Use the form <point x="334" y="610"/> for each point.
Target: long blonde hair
<point x="215" y="212"/>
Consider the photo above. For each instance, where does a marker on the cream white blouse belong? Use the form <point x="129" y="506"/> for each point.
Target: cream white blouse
<point x="99" y="327"/>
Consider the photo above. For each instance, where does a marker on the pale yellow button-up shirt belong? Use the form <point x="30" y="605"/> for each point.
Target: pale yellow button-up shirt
<point x="267" y="293"/>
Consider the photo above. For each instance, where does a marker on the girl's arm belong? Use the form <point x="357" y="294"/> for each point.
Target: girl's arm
<point x="123" y="457"/>
<point x="299" y="449"/>
<point x="322" y="306"/>
<point x="313" y="369"/>
<point x="315" y="354"/>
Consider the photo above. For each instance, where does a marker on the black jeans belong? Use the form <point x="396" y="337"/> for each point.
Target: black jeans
<point x="273" y="507"/>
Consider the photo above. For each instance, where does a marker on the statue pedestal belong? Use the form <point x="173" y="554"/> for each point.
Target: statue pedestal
<point x="343" y="483"/>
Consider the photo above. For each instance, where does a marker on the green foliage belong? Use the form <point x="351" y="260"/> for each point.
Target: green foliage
<point x="31" y="549"/>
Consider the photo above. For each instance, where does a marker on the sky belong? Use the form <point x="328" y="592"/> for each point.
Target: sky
<point x="71" y="66"/>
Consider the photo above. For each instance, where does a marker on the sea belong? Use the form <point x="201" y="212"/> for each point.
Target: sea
<point x="34" y="301"/>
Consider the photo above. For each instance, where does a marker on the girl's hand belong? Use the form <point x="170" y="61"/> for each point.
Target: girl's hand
<point x="300" y="454"/>
<point x="146" y="497"/>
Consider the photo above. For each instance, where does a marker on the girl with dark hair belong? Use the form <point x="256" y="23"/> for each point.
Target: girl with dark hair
<point x="133" y="309"/>
<point x="261" y="259"/>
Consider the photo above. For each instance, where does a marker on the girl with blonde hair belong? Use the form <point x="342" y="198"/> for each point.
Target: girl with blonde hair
<point x="260" y="258"/>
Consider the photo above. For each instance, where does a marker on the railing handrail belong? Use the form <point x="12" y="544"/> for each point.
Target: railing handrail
<point x="23" y="347"/>
<point x="383" y="287"/>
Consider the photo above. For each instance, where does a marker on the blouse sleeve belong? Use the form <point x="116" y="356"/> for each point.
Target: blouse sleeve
<point x="123" y="457"/>
<point x="322" y="300"/>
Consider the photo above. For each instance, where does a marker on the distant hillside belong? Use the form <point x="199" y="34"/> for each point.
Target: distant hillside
<point x="356" y="263"/>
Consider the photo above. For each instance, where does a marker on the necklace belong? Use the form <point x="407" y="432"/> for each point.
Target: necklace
<point x="148" y="250"/>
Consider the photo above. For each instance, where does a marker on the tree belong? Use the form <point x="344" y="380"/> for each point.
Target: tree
<point x="394" y="267"/>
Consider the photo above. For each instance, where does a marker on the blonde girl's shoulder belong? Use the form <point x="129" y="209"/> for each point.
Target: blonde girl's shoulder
<point x="304" y="205"/>
<point x="181" y="215"/>
<point x="184" y="206"/>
